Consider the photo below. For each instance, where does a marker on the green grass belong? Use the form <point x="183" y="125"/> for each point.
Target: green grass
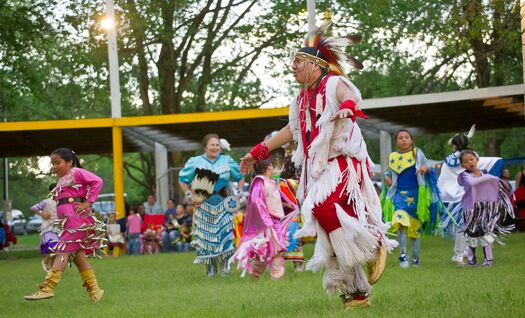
<point x="169" y="285"/>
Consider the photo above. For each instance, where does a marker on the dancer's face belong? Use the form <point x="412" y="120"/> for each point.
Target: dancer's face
<point x="213" y="148"/>
<point x="404" y="141"/>
<point x="300" y="69"/>
<point x="60" y="166"/>
<point x="469" y="162"/>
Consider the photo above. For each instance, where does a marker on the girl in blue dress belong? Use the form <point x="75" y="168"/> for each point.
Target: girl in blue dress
<point x="407" y="200"/>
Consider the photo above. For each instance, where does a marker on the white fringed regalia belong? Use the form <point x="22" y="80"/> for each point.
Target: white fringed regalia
<point x="339" y="202"/>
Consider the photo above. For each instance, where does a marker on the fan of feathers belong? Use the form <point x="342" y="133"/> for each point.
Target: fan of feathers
<point x="204" y="183"/>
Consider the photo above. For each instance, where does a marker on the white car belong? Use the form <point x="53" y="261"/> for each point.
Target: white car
<point x="17" y="222"/>
<point x="34" y="224"/>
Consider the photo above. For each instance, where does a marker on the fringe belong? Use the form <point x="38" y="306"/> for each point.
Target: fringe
<point x="210" y="236"/>
<point x="216" y="224"/>
<point x="345" y="282"/>
<point x="353" y="244"/>
<point x="319" y="190"/>
<point x="485" y="223"/>
<point x="214" y="258"/>
<point x="323" y="251"/>
<point x="93" y="241"/>
<point x="205" y="246"/>
<point x="263" y="248"/>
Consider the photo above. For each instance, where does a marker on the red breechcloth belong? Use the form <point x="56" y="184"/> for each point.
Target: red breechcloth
<point x="325" y="212"/>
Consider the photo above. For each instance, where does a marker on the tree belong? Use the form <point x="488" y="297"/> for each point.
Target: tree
<point x="414" y="47"/>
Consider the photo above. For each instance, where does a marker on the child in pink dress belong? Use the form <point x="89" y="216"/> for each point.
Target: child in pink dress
<point x="81" y="232"/>
<point x="264" y="239"/>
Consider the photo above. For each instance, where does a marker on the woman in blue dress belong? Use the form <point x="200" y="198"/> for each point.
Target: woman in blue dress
<point x="205" y="180"/>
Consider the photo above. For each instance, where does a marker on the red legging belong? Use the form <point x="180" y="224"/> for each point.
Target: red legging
<point x="325" y="212"/>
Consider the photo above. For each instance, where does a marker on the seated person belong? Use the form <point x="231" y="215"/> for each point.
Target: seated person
<point x="171" y="233"/>
<point x="184" y="239"/>
<point x="115" y="237"/>
<point x="151" y="239"/>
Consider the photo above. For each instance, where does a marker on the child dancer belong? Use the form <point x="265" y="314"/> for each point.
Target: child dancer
<point x="263" y="242"/>
<point x="485" y="205"/>
<point x="82" y="233"/>
<point x="405" y="178"/>
<point x="452" y="193"/>
<point x="47" y="209"/>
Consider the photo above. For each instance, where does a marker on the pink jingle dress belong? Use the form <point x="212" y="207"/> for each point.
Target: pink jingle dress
<point x="265" y="231"/>
<point x="80" y="230"/>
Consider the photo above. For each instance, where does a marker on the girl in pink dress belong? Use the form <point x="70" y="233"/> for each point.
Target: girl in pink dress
<point x="81" y="234"/>
<point x="265" y="227"/>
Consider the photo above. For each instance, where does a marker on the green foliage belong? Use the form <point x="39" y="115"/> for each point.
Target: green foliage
<point x="409" y="47"/>
<point x="27" y="185"/>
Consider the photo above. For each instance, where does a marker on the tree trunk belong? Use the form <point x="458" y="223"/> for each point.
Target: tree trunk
<point x="166" y="64"/>
<point x="138" y="34"/>
<point x="497" y="47"/>
<point x="493" y="140"/>
<point x="473" y="12"/>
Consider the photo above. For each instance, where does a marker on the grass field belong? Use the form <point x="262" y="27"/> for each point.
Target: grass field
<point x="169" y="285"/>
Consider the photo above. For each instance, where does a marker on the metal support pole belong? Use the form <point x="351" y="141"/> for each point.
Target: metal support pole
<point x="114" y="85"/>
<point x="6" y="179"/>
<point x="6" y="201"/>
<point x="385" y="148"/>
<point x="161" y="167"/>
<point x="310" y="5"/>
<point x="114" y="81"/>
<point x="522" y="19"/>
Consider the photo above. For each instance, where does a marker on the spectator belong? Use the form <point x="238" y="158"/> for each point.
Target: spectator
<point x="133" y="233"/>
<point x="115" y="237"/>
<point x="184" y="239"/>
<point x="184" y="216"/>
<point x="520" y="174"/>
<point x="151" y="206"/>
<point x="505" y="177"/>
<point x="518" y="199"/>
<point x="141" y="211"/>
<point x="172" y="227"/>
<point x="123" y="221"/>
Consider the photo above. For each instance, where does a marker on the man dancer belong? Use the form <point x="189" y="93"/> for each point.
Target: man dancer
<point x="339" y="202"/>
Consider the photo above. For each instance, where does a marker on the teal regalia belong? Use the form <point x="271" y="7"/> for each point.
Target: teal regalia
<point x="213" y="229"/>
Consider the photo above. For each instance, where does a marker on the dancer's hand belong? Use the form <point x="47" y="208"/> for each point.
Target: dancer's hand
<point x="423" y="169"/>
<point x="247" y="163"/>
<point x="342" y="113"/>
<point x="195" y="201"/>
<point x="81" y="206"/>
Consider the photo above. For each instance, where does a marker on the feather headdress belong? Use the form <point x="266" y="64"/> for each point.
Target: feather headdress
<point x="329" y="52"/>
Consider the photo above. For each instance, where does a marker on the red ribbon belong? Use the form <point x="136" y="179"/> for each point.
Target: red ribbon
<point x="350" y="104"/>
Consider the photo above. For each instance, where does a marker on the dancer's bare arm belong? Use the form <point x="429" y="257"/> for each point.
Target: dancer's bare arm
<point x="283" y="137"/>
<point x="343" y="92"/>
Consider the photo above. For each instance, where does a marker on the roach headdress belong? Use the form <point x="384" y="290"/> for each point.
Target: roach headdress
<point x="328" y="52"/>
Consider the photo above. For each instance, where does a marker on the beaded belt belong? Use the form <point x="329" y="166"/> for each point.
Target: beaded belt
<point x="70" y="200"/>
